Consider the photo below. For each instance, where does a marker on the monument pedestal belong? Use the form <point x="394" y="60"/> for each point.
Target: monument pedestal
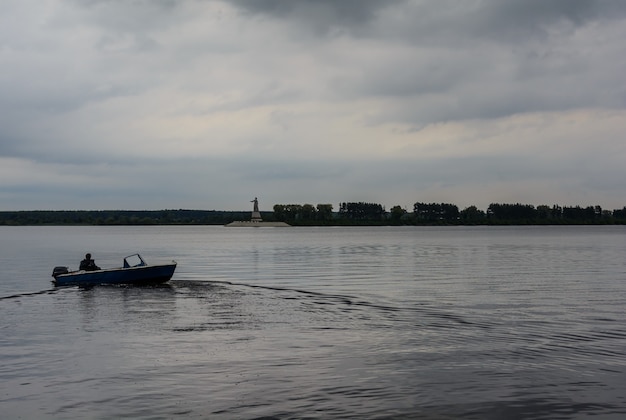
<point x="250" y="223"/>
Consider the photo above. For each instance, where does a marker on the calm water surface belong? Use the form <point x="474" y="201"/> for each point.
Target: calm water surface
<point x="421" y="323"/>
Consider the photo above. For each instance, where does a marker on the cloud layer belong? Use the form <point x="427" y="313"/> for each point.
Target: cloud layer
<point x="205" y="104"/>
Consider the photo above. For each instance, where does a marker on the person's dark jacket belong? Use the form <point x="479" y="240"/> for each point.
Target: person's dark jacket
<point x="88" y="265"/>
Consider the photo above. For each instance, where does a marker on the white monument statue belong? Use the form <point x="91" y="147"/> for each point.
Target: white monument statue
<point x="256" y="214"/>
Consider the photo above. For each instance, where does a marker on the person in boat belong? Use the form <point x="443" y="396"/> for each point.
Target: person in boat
<point x="88" y="264"/>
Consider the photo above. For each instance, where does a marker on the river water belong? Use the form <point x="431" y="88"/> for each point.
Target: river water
<point x="317" y="323"/>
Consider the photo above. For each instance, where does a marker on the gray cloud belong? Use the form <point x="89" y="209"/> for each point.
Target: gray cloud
<point x="463" y="60"/>
<point x="326" y="12"/>
<point x="530" y="13"/>
<point x="494" y="19"/>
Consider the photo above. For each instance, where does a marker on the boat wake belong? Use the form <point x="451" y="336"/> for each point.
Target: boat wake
<point x="27" y="294"/>
<point x="428" y="314"/>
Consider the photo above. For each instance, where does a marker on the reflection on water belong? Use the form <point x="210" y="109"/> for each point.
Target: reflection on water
<point x="329" y="323"/>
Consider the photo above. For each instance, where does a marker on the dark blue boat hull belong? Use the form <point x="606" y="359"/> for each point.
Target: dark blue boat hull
<point x="151" y="274"/>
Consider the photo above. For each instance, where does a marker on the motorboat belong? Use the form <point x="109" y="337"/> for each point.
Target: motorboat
<point x="134" y="271"/>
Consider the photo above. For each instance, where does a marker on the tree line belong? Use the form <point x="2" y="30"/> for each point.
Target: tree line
<point x="121" y="217"/>
<point x="347" y="213"/>
<point x="354" y="213"/>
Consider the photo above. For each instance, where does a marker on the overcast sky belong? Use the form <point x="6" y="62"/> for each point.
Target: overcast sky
<point x="205" y="104"/>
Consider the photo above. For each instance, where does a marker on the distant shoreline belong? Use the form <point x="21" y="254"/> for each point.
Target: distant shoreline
<point x="216" y="217"/>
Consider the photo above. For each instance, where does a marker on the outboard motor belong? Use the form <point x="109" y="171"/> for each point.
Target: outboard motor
<point x="59" y="270"/>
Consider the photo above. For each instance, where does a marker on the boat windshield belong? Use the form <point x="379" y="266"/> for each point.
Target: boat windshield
<point x="133" y="261"/>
